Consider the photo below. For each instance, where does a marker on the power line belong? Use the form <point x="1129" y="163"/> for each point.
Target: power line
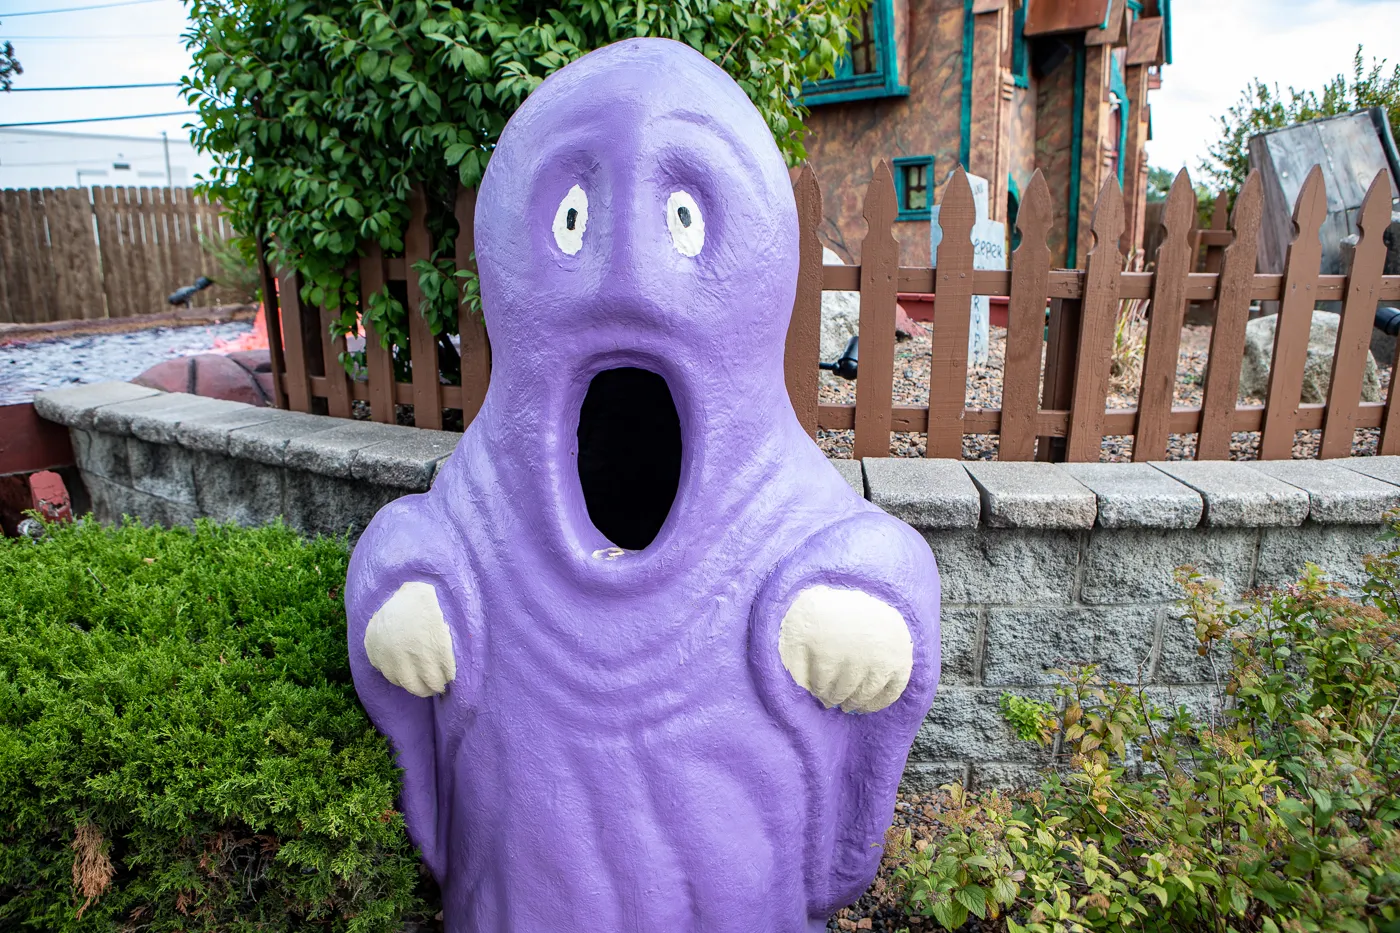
<point x="134" y="116"/>
<point x="93" y="87"/>
<point x="78" y="9"/>
<point x="119" y="35"/>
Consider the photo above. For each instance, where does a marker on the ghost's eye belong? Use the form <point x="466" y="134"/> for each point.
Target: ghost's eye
<point x="686" y="223"/>
<point x="571" y="220"/>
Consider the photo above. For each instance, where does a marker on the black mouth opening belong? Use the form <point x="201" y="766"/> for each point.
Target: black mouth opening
<point x="629" y="455"/>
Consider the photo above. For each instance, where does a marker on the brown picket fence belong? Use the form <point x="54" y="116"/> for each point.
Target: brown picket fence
<point x="1053" y="412"/>
<point x="90" y="253"/>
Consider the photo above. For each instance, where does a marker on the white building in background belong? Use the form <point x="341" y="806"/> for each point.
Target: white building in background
<point x="43" y="159"/>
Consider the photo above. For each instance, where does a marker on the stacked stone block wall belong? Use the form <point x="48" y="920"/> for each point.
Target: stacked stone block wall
<point x="1042" y="565"/>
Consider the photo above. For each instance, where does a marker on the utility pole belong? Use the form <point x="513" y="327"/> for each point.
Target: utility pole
<point x="165" y="141"/>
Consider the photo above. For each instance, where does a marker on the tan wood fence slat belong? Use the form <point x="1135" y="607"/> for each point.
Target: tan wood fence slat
<point x="1174" y="261"/>
<point x="1302" y="265"/>
<point x="1358" y="318"/>
<point x="106" y="247"/>
<point x="879" y="267"/>
<point x="379" y="362"/>
<point x="165" y="268"/>
<point x="804" y="337"/>
<point x="475" y="348"/>
<point x="427" y="389"/>
<point x="17" y="269"/>
<point x="1025" y="331"/>
<point x="125" y="244"/>
<point x="36" y="246"/>
<point x="1222" y="376"/>
<point x="81" y="247"/>
<point x="1057" y="390"/>
<point x="143" y="247"/>
<point x="947" y="387"/>
<point x="7" y="262"/>
<point x="272" y="317"/>
<point x="293" y="335"/>
<point x="1100" y="314"/>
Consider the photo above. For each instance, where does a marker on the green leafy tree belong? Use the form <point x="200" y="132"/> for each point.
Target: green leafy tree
<point x="1262" y="108"/>
<point x="321" y="116"/>
<point x="9" y="66"/>
<point x="1159" y="182"/>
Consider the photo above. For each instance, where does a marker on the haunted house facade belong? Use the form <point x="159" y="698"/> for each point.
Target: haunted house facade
<point x="1002" y="88"/>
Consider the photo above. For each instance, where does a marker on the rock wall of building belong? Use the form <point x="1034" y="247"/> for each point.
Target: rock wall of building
<point x="845" y="142"/>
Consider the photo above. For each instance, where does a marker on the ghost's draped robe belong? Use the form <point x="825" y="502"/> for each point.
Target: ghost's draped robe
<point x="639" y="759"/>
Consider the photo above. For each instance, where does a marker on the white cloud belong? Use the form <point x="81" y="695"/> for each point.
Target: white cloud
<point x="1219" y="46"/>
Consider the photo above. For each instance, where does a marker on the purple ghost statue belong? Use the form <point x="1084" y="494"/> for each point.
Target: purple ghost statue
<point x="647" y="661"/>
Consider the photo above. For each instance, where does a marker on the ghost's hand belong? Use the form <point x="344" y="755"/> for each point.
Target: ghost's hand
<point x="846" y="648"/>
<point x="408" y="641"/>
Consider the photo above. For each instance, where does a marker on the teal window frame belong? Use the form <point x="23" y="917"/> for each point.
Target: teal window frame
<point x="1020" y="54"/>
<point x="1119" y="88"/>
<point x="900" y="164"/>
<point x="883" y="81"/>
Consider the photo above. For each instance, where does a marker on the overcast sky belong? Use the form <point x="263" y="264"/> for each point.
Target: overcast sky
<point x="1218" y="46"/>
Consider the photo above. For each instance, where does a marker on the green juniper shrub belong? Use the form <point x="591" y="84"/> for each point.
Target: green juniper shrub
<point x="1274" y="810"/>
<point x="181" y="747"/>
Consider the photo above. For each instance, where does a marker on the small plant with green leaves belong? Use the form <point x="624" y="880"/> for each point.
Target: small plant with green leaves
<point x="1274" y="811"/>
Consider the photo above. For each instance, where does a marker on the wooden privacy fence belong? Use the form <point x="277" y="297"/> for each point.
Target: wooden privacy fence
<point x="84" y="253"/>
<point x="1052" y="411"/>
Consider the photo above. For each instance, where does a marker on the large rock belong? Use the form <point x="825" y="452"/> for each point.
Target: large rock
<point x="840" y="315"/>
<point x="1317" y="372"/>
<point x="245" y="376"/>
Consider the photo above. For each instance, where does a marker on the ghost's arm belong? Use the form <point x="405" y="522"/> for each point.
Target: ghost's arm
<point x="411" y="616"/>
<point x="844" y="645"/>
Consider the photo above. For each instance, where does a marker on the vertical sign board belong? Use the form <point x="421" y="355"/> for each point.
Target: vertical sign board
<point x="988" y="253"/>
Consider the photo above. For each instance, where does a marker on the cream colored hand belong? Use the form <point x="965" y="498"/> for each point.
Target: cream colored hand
<point x="846" y="648"/>
<point x="408" y="641"/>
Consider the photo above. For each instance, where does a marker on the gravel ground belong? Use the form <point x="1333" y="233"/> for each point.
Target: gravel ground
<point x="27" y="368"/>
<point x="911" y="371"/>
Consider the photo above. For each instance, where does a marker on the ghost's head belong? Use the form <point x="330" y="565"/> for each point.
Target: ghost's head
<point x="637" y="215"/>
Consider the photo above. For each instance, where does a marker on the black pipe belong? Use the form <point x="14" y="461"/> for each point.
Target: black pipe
<point x="846" y="366"/>
<point x="1388" y="320"/>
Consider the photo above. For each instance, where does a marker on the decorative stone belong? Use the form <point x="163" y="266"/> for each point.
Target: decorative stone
<point x="1031" y="494"/>
<point x="77" y="406"/>
<point x="658" y="596"/>
<point x="1133" y="495"/>
<point x="1317" y="371"/>
<point x="840" y="315"/>
<point x="925" y="493"/>
<point x="1385" y="469"/>
<point x="234" y="377"/>
<point x="1336" y="495"/>
<point x="1238" y="497"/>
<point x="851" y="472"/>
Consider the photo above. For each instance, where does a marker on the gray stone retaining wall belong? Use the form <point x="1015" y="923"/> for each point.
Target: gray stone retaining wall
<point x="1042" y="565"/>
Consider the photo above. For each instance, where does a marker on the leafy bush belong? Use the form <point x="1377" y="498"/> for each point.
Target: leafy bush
<point x="181" y="747"/>
<point x="1275" y="810"/>
<point x="1262" y="108"/>
<point x="320" y="116"/>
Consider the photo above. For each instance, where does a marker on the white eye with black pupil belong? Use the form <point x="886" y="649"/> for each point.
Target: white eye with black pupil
<point x="686" y="223"/>
<point x="570" y="220"/>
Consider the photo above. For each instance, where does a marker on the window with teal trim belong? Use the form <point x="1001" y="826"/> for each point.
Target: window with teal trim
<point x="913" y="187"/>
<point x="1020" y="60"/>
<point x="868" y="68"/>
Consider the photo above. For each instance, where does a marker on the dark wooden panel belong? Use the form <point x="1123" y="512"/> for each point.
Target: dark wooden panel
<point x="804" y="336"/>
<point x="1044" y="17"/>
<point x="29" y="443"/>
<point x="878" y="296"/>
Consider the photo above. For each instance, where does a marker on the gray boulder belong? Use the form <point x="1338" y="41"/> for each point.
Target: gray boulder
<point x="1317" y="371"/>
<point x="840" y="315"/>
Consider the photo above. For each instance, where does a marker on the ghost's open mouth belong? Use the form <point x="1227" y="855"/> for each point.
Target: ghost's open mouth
<point x="629" y="455"/>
